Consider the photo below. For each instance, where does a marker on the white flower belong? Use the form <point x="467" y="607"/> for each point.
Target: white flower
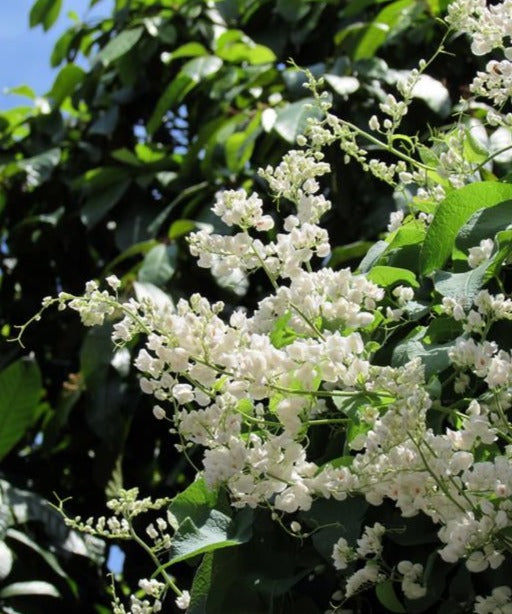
<point x="183" y="601"/>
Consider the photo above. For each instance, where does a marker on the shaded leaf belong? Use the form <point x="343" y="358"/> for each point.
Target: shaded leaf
<point x="159" y="265"/>
<point x="292" y="120"/>
<point x="101" y="202"/>
<point x="34" y="587"/>
<point x="20" y="391"/>
<point x="385" y="592"/>
<point x="119" y="45"/>
<point x="65" y="83"/>
<point x="484" y="224"/>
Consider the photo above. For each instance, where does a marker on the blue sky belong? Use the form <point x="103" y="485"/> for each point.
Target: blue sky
<point x="25" y="52"/>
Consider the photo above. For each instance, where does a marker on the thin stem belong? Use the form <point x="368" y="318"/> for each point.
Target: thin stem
<point x="160" y="568"/>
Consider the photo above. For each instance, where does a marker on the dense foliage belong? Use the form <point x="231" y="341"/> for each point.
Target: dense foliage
<point x="117" y="165"/>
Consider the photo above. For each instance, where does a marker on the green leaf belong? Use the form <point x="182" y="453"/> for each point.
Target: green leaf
<point x="201" y="585"/>
<point x="461" y="286"/>
<point x="484" y="224"/>
<point x="188" y="50"/>
<point x="236" y="47"/>
<point x="65" y="83"/>
<point x="6" y="560"/>
<point x="193" y="501"/>
<point x="159" y="265"/>
<point x="61" y="47"/>
<point x="180" y="228"/>
<point x="385" y="592"/>
<point x="453" y="212"/>
<point x="293" y="119"/>
<point x="434" y="94"/>
<point x="21" y="90"/>
<point x="376" y="33"/>
<point x="39" y="168"/>
<point x="434" y="356"/>
<point x="342" y="85"/>
<point x="281" y="334"/>
<point x="240" y="145"/>
<point x="101" y="202"/>
<point x="388" y="275"/>
<point x="351" y="251"/>
<point x="119" y="46"/>
<point x="134" y="250"/>
<point x="192" y="73"/>
<point x="34" y="587"/>
<point x="48" y="556"/>
<point x="217" y="531"/>
<point x="45" y="12"/>
<point x="373" y="255"/>
<point x="202" y="526"/>
<point x="20" y="391"/>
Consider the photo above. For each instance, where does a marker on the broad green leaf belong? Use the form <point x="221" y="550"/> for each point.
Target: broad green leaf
<point x="6" y="560"/>
<point x="434" y="94"/>
<point x="202" y="527"/>
<point x="281" y="334"/>
<point x="376" y="33"/>
<point x="180" y="228"/>
<point x="45" y="12"/>
<point x="106" y="122"/>
<point x="433" y="356"/>
<point x="193" y="501"/>
<point x="148" y="153"/>
<point x="293" y="119"/>
<point x="47" y="555"/>
<point x="201" y="585"/>
<point x="461" y="286"/>
<point x="236" y="47"/>
<point x="484" y="224"/>
<point x="65" y="83"/>
<point x="216" y="531"/>
<point x="40" y="167"/>
<point x="388" y="275"/>
<point x="504" y="242"/>
<point x="145" y="290"/>
<point x="453" y="212"/>
<point x="61" y="47"/>
<point x="34" y="587"/>
<point x="20" y="391"/>
<point x="18" y="507"/>
<point x="101" y="202"/>
<point x="240" y="145"/>
<point x="192" y="73"/>
<point x="340" y="519"/>
<point x="188" y="50"/>
<point x="410" y="233"/>
<point x="21" y="90"/>
<point x="125" y="156"/>
<point x="134" y="250"/>
<point x="159" y="265"/>
<point x="373" y="255"/>
<point x="119" y="45"/>
<point x="342" y="85"/>
<point x="385" y="592"/>
<point x="351" y="251"/>
<point x="475" y="150"/>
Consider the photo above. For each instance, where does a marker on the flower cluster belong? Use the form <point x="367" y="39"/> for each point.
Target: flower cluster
<point x="249" y="389"/>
